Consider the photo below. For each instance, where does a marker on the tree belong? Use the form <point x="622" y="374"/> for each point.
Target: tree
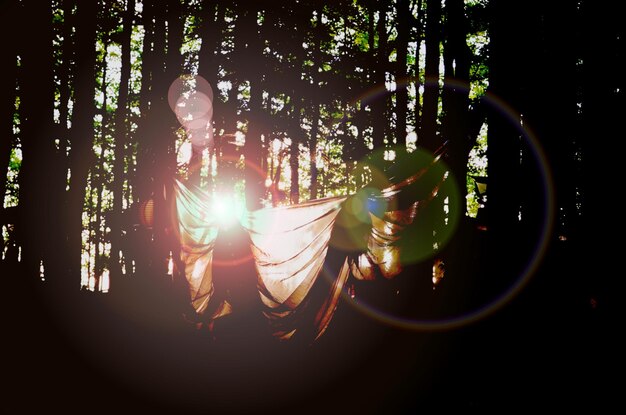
<point x="81" y="156"/>
<point x="403" y="17"/>
<point x="121" y="139"/>
<point x="36" y="110"/>
<point x="455" y="122"/>
<point x="427" y="137"/>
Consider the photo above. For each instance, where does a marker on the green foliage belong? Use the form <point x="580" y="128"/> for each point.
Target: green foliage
<point x="11" y="197"/>
<point x="476" y="166"/>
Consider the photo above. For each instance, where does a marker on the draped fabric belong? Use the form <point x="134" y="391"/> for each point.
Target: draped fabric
<point x="289" y="245"/>
<point x="299" y="283"/>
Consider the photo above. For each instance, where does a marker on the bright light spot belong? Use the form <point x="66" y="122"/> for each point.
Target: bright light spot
<point x="227" y="210"/>
<point x="268" y="182"/>
<point x="240" y="138"/>
<point x="105" y="281"/>
<point x="184" y="153"/>
<point x="170" y="265"/>
<point x="411" y="141"/>
<point x="198" y="269"/>
<point x="387" y="256"/>
<point x="41" y="270"/>
<point x="277" y="145"/>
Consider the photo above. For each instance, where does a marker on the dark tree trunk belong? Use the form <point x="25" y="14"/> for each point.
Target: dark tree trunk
<point x="120" y="142"/>
<point x="457" y="60"/>
<point x="8" y="93"/>
<point x="65" y="76"/>
<point x="167" y="52"/>
<point x="211" y="30"/>
<point x="141" y="185"/>
<point x="603" y="107"/>
<point x="504" y="134"/>
<point x="428" y="126"/>
<point x="416" y="67"/>
<point x="82" y="156"/>
<point x="381" y="62"/>
<point x="97" y="174"/>
<point x="559" y="101"/>
<point x="313" y="149"/>
<point x="253" y="145"/>
<point x="36" y="111"/>
<point x="294" y="152"/>
<point x="402" y="97"/>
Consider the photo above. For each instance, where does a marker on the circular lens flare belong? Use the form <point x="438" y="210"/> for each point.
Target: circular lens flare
<point x="498" y="106"/>
<point x="191" y="99"/>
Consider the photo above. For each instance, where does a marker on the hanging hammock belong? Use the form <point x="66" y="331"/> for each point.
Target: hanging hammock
<point x="304" y="254"/>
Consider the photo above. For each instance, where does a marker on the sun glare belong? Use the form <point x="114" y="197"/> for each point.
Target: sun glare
<point x="227" y="209"/>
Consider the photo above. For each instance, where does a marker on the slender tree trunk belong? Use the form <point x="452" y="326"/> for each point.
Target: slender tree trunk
<point x="211" y="30"/>
<point x="503" y="151"/>
<point x="416" y="68"/>
<point x="120" y="143"/>
<point x="428" y="126"/>
<point x="294" y="152"/>
<point x="81" y="157"/>
<point x="313" y="149"/>
<point x="253" y="145"/>
<point x="561" y="48"/>
<point x="603" y="107"/>
<point x="403" y="12"/>
<point x="7" y="92"/>
<point x="98" y="172"/>
<point x="379" y="107"/>
<point x="65" y="74"/>
<point x="141" y="185"/>
<point x="316" y="103"/>
<point x="36" y="122"/>
<point x="168" y="52"/>
<point x="457" y="60"/>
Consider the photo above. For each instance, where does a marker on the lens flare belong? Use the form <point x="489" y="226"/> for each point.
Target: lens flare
<point x="191" y="99"/>
<point x="417" y="254"/>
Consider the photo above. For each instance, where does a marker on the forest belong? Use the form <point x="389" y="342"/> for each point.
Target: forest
<point x="107" y="105"/>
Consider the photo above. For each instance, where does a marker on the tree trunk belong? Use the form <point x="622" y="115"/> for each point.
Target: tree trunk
<point x="457" y="60"/>
<point x="503" y="151"/>
<point x="561" y="48"/>
<point x="36" y="122"/>
<point x="294" y="153"/>
<point x="81" y="157"/>
<point x="603" y="106"/>
<point x="253" y="148"/>
<point x="7" y="92"/>
<point x="428" y="126"/>
<point x="416" y="68"/>
<point x="403" y="13"/>
<point x="97" y="175"/>
<point x="379" y="106"/>
<point x="120" y="143"/>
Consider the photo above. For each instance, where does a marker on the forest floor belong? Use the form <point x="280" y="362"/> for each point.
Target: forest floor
<point x="550" y="347"/>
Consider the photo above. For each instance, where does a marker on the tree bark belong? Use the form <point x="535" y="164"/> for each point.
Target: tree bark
<point x="8" y="92"/>
<point x="81" y="156"/>
<point x="403" y="13"/>
<point x="379" y="106"/>
<point x="36" y="111"/>
<point x="457" y="60"/>
<point x="253" y="146"/>
<point x="428" y="126"/>
<point x="120" y="143"/>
